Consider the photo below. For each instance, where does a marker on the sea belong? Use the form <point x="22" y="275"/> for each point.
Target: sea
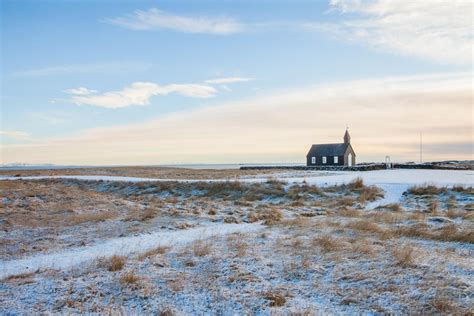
<point x="187" y="166"/>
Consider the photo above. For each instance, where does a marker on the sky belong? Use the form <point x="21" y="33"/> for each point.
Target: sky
<point x="180" y="82"/>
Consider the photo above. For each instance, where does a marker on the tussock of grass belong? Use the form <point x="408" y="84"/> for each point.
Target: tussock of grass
<point x="452" y="213"/>
<point x="129" y="278"/>
<point x="153" y="252"/>
<point x="201" y="248"/>
<point x="115" y="263"/>
<point x="15" y="277"/>
<point x="276" y="298"/>
<point x="426" y="190"/>
<point x="236" y="244"/>
<point x="403" y="255"/>
<point x="270" y="216"/>
<point x="461" y="189"/>
<point x="443" y="304"/>
<point x="142" y="215"/>
<point x="349" y="212"/>
<point x="357" y="183"/>
<point x="365" y="225"/>
<point x="394" y="207"/>
<point x="327" y="243"/>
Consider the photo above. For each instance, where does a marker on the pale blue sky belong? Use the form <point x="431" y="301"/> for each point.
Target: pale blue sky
<point x="51" y="49"/>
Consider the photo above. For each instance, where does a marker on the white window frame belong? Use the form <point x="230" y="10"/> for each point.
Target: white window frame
<point x="313" y="160"/>
<point x="336" y="159"/>
<point x="325" y="159"/>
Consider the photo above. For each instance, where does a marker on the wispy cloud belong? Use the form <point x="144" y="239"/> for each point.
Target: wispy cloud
<point x="228" y="80"/>
<point x="281" y="126"/>
<point x="108" y="67"/>
<point x="80" y="91"/>
<point x="438" y="30"/>
<point x="17" y="135"/>
<point x="155" y="19"/>
<point x="138" y="93"/>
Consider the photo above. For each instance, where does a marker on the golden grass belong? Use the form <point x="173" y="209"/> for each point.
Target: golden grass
<point x="129" y="278"/>
<point x="116" y="263"/>
<point x="237" y="244"/>
<point x="16" y="277"/>
<point x="270" y="215"/>
<point x="153" y="252"/>
<point x="142" y="215"/>
<point x="404" y="255"/>
<point x="349" y="212"/>
<point x="201" y="247"/>
<point x="276" y="298"/>
<point x="394" y="207"/>
<point x="91" y="217"/>
<point x="327" y="243"/>
<point x="453" y="213"/>
<point x="364" y="225"/>
<point x="426" y="190"/>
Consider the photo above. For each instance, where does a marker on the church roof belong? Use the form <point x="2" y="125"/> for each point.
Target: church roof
<point x="328" y="150"/>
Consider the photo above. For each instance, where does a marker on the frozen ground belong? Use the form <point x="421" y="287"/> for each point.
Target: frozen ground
<point x="256" y="246"/>
<point x="125" y="246"/>
<point x="393" y="182"/>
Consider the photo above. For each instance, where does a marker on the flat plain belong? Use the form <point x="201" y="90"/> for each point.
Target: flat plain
<point x="184" y="241"/>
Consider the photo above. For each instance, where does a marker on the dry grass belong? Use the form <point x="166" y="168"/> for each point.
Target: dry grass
<point x="433" y="206"/>
<point x="145" y="172"/>
<point x="237" y="244"/>
<point x="349" y="212"/>
<point x="142" y="215"/>
<point x="404" y="255"/>
<point x="270" y="215"/>
<point x="201" y="247"/>
<point x="178" y="283"/>
<point x="453" y="213"/>
<point x="327" y="243"/>
<point x="446" y="233"/>
<point x="394" y="207"/>
<point x="444" y="305"/>
<point x="426" y="190"/>
<point x="153" y="252"/>
<point x="129" y="278"/>
<point x="365" y="225"/>
<point x="362" y="246"/>
<point x="276" y="298"/>
<point x="16" y="277"/>
<point x="369" y="194"/>
<point x="116" y="263"/>
<point x="91" y="217"/>
<point x="461" y="189"/>
<point x="357" y="183"/>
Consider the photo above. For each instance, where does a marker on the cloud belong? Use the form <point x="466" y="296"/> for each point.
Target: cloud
<point x="385" y="116"/>
<point x="227" y="80"/>
<point x="154" y="19"/>
<point x="17" y="135"/>
<point x="80" y="91"/>
<point x="108" y="67"/>
<point x="438" y="30"/>
<point x="139" y="93"/>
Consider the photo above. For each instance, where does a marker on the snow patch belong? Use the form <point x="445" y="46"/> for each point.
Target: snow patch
<point x="118" y="246"/>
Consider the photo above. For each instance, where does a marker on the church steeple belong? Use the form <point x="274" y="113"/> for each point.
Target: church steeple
<point x="347" y="137"/>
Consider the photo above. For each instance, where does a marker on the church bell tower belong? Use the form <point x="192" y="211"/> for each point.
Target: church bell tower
<point x="347" y="137"/>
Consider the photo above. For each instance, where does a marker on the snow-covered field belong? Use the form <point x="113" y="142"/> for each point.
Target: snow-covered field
<point x="399" y="241"/>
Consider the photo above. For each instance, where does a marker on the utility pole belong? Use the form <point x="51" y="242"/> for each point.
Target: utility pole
<point x="421" y="147"/>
